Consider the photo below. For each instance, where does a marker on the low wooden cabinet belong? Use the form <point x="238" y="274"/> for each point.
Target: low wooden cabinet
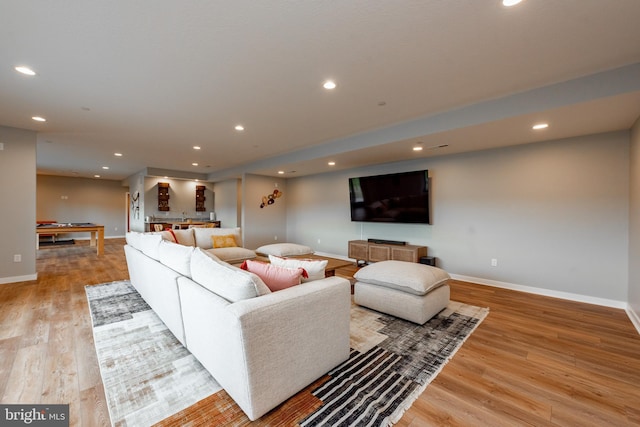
<point x="374" y="252"/>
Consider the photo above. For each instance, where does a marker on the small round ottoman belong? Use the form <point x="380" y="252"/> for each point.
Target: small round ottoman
<point x="408" y="290"/>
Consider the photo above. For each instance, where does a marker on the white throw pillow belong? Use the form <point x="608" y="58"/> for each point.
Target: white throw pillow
<point x="315" y="268"/>
<point x="176" y="257"/>
<point x="410" y="277"/>
<point x="232" y="284"/>
<point x="284" y="249"/>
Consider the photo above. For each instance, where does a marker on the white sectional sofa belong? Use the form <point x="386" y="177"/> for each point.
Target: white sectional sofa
<point x="261" y="346"/>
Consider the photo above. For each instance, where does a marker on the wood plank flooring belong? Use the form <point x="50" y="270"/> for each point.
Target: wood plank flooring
<point x="534" y="361"/>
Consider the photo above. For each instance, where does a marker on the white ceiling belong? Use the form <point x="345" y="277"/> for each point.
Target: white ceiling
<point x="151" y="79"/>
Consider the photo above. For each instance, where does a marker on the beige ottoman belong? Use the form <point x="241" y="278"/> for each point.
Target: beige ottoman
<point x="411" y="291"/>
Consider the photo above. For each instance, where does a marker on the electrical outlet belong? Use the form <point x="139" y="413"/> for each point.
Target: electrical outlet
<point x="115" y="229"/>
<point x="494" y="262"/>
<point x="275" y="237"/>
<point x="318" y="241"/>
<point x="17" y="258"/>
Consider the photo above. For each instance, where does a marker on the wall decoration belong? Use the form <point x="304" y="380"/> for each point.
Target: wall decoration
<point x="271" y="198"/>
<point x="163" y="196"/>
<point x="200" y="198"/>
<point x="135" y="205"/>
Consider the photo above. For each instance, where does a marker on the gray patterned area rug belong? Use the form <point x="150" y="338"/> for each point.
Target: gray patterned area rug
<point x="147" y="374"/>
<point x="392" y="361"/>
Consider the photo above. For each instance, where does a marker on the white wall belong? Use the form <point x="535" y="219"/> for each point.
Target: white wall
<point x="18" y="212"/>
<point x="228" y="202"/>
<point x="554" y="214"/>
<point x="634" y="227"/>
<point x="264" y="225"/>
<point x="68" y="199"/>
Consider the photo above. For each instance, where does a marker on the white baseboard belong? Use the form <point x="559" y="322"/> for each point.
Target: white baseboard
<point x="634" y="317"/>
<point x="15" y="279"/>
<point x="546" y="292"/>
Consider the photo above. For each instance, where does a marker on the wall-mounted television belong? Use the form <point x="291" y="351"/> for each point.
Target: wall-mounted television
<point x="397" y="197"/>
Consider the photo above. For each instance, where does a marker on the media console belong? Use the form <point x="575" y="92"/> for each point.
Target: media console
<point x="370" y="251"/>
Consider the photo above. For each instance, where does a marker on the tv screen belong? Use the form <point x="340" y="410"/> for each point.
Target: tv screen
<point x="398" y="197"/>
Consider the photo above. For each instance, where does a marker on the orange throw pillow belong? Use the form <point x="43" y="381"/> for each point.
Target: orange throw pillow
<point x="225" y="241"/>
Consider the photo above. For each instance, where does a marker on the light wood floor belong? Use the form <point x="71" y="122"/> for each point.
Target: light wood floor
<point x="534" y="361"/>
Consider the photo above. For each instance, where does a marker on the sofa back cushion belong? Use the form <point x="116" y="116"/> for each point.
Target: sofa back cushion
<point x="182" y="237"/>
<point x="149" y="244"/>
<point x="203" y="236"/>
<point x="176" y="257"/>
<point x="231" y="283"/>
<point x="133" y="239"/>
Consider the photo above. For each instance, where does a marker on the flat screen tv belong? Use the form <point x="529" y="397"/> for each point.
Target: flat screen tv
<point x="397" y="197"/>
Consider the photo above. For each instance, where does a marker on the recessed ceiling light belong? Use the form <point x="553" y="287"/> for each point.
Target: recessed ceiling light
<point x="25" y="70"/>
<point x="417" y="148"/>
<point x="329" y="84"/>
<point x="105" y="167"/>
<point x="194" y="164"/>
<point x="196" y="147"/>
<point x="331" y="163"/>
<point x="117" y="154"/>
<point x="39" y="119"/>
<point x="239" y="128"/>
<point x="510" y="3"/>
<point x="540" y="126"/>
<point x="96" y="176"/>
<point x="281" y="172"/>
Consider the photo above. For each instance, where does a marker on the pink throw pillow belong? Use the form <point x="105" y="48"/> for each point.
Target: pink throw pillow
<point x="276" y="278"/>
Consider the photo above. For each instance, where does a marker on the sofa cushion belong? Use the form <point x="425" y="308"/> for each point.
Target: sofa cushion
<point x="182" y="237"/>
<point x="149" y="244"/>
<point x="225" y="241"/>
<point x="276" y="278"/>
<point x="411" y="277"/>
<point x="176" y="257"/>
<point x="232" y="255"/>
<point x="185" y="237"/>
<point x="133" y="239"/>
<point x="314" y="268"/>
<point x="232" y="284"/>
<point x="203" y="235"/>
<point x="284" y="249"/>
